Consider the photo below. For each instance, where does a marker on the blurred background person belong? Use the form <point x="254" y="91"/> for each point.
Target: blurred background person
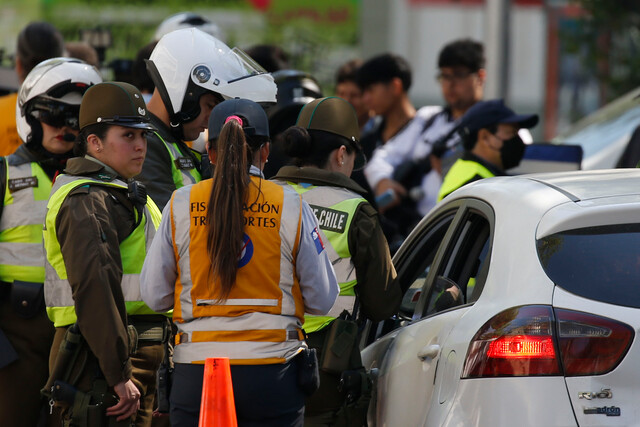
<point x="140" y="77"/>
<point x="347" y="88"/>
<point x="36" y="42"/>
<point x="295" y="89"/>
<point x="47" y="120"/>
<point x="245" y="230"/>
<point x="271" y="57"/>
<point x="83" y="51"/>
<point x="325" y="148"/>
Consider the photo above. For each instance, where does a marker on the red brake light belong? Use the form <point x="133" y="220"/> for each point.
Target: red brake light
<point x="517" y="342"/>
<point x="522" y="346"/>
<point x="536" y="340"/>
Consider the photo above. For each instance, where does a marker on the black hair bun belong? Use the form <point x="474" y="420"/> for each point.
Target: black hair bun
<point x="296" y="142"/>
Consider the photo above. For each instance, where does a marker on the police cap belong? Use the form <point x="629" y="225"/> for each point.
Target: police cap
<point x="114" y="103"/>
<point x="336" y="116"/>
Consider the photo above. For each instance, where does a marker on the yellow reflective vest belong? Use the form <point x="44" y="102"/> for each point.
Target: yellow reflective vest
<point x="57" y="290"/>
<point x="26" y="192"/>
<point x="260" y="321"/>
<point x="334" y="207"/>
<point x="183" y="171"/>
<point x="460" y="174"/>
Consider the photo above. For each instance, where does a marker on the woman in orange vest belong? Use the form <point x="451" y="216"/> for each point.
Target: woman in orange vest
<point x="239" y="260"/>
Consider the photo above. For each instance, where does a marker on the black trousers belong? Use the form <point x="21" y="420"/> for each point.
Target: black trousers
<point x="265" y="395"/>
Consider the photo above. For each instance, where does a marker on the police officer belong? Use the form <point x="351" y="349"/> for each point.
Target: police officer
<point x="325" y="148"/>
<point x="47" y="121"/>
<point x="232" y="232"/>
<point x="97" y="228"/>
<point x="192" y="72"/>
<point x="491" y="144"/>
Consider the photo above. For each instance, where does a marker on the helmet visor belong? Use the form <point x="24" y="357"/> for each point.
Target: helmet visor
<point x="246" y="63"/>
<point x="56" y="114"/>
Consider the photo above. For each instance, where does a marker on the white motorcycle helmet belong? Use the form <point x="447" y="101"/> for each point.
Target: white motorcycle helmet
<point x="52" y="93"/>
<point x="189" y="63"/>
<point x="187" y="20"/>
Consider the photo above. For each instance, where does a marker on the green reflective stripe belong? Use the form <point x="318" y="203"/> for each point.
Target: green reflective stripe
<point x="179" y="175"/>
<point x="22" y="233"/>
<point x="315" y="323"/>
<point x="131" y="248"/>
<point x="9" y="273"/>
<point x="459" y="174"/>
<point x="154" y="211"/>
<point x="62" y="316"/>
<point x="41" y="192"/>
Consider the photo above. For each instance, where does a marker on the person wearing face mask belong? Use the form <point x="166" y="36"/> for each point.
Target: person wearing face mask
<point x="325" y="149"/>
<point x="47" y="123"/>
<point x="98" y="226"/>
<point x="491" y="144"/>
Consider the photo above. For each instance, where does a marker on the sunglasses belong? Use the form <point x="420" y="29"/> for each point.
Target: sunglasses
<point x="57" y="115"/>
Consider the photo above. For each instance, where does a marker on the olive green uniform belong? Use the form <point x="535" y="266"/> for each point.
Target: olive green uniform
<point x="92" y="222"/>
<point x="378" y="294"/>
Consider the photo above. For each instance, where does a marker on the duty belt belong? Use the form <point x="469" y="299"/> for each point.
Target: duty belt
<point x="152" y="331"/>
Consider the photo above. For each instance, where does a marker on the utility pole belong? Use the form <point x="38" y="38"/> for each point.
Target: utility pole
<point x="497" y="18"/>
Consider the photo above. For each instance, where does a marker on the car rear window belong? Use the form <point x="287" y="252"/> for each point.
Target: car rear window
<point x="600" y="263"/>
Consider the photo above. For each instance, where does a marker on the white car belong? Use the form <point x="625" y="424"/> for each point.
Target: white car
<point x="521" y="308"/>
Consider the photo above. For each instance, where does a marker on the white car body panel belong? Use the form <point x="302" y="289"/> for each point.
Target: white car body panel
<point x="411" y="392"/>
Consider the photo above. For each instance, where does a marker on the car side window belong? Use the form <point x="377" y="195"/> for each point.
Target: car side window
<point x="413" y="268"/>
<point x="463" y="269"/>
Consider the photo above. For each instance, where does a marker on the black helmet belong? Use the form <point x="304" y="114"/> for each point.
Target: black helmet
<point x="295" y="90"/>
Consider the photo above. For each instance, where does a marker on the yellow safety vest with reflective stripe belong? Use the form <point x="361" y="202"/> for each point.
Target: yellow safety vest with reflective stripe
<point x="26" y="192"/>
<point x="57" y="290"/>
<point x="261" y="320"/>
<point x="461" y="173"/>
<point x="334" y="207"/>
<point x="182" y="174"/>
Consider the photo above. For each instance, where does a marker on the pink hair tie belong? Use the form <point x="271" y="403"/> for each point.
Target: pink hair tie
<point x="236" y="118"/>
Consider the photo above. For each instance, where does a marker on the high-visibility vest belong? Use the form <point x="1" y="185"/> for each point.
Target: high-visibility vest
<point x="26" y="192"/>
<point x="182" y="172"/>
<point x="260" y="322"/>
<point x="461" y="173"/>
<point x="334" y="207"/>
<point x="57" y="290"/>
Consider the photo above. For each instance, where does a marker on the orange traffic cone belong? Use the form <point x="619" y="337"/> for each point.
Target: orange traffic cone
<point x="217" y="408"/>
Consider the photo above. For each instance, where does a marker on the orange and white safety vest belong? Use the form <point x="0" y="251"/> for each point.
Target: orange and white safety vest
<point x="260" y="322"/>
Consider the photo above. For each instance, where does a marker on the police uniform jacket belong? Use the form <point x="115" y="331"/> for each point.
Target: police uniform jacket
<point x="168" y="165"/>
<point x="92" y="222"/>
<point x="378" y="293"/>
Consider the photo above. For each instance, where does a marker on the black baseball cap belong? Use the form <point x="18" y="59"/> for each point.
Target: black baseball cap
<point x="254" y="119"/>
<point x="336" y="116"/>
<point x="484" y="114"/>
<point x="114" y="103"/>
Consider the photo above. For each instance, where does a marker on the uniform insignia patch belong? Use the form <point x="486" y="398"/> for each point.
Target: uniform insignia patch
<point x="315" y="235"/>
<point x="17" y="184"/>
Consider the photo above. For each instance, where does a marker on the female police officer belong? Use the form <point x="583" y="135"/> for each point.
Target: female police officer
<point x="47" y="122"/>
<point x="239" y="259"/>
<point x="325" y="149"/>
<point x="96" y="230"/>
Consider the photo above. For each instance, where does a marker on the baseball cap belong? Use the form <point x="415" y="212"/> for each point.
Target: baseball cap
<point x="484" y="114"/>
<point x="336" y="116"/>
<point x="114" y="103"/>
<point x="254" y="119"/>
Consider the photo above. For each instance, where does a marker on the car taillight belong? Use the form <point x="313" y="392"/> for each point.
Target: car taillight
<point x="537" y="340"/>
<point x="589" y="344"/>
<point x="516" y="342"/>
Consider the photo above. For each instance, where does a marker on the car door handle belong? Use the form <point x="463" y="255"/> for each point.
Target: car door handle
<point x="429" y="352"/>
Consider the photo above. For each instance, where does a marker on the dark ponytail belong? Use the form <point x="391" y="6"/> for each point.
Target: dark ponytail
<point x="225" y="215"/>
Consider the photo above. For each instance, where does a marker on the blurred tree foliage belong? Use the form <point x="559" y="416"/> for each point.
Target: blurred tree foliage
<point x="608" y="37"/>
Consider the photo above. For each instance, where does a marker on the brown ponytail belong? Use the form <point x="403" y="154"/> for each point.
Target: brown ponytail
<point x="225" y="218"/>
